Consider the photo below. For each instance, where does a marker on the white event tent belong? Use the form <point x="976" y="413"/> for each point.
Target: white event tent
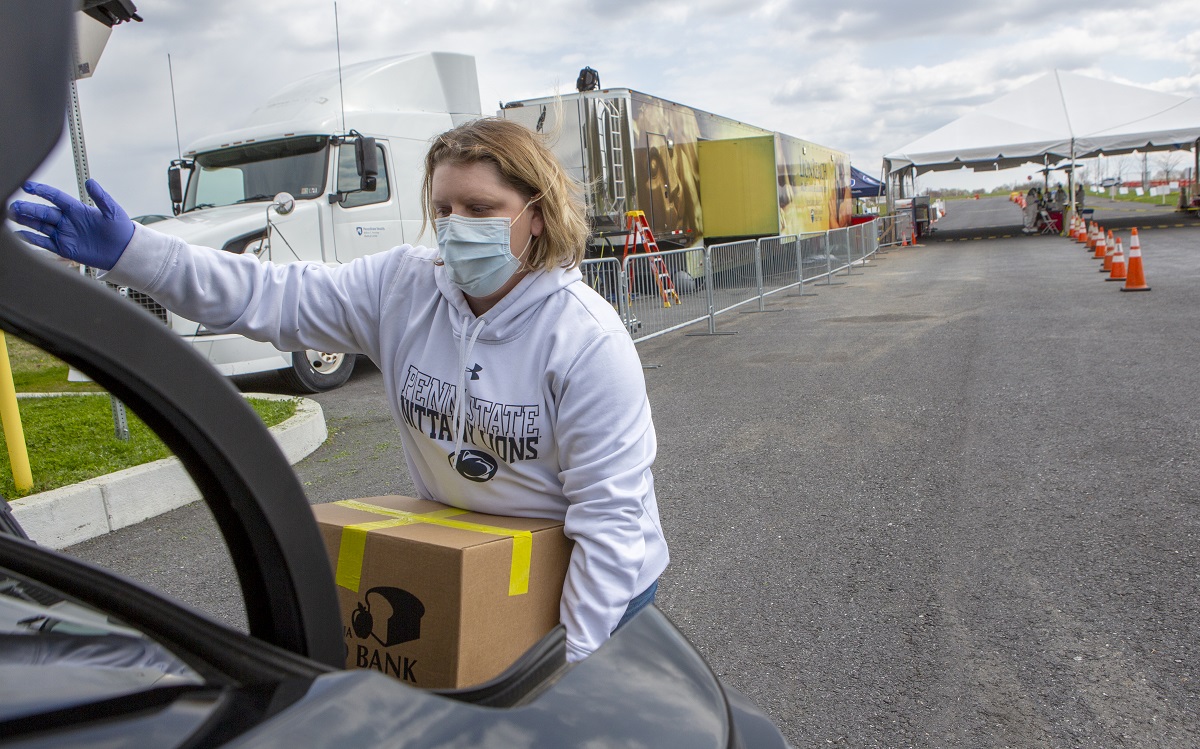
<point x="1058" y="117"/>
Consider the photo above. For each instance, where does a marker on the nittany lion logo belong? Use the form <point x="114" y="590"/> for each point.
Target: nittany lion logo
<point x="474" y="465"/>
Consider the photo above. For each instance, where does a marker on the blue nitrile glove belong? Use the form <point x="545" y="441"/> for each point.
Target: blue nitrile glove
<point x="91" y="236"/>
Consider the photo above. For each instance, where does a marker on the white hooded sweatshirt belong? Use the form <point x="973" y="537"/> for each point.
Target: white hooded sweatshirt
<point x="555" y="421"/>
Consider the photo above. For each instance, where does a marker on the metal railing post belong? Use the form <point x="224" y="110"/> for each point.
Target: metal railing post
<point x="800" y="268"/>
<point x="622" y="292"/>
<point x="862" y="244"/>
<point x="849" y="259"/>
<point x="758" y="275"/>
<point x="829" y="263"/>
<point x="708" y="291"/>
<point x="710" y="297"/>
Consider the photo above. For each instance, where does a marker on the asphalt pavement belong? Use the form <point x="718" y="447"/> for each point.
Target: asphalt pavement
<point x="952" y="501"/>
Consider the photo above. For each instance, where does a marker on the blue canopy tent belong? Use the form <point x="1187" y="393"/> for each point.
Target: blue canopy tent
<point x="862" y="185"/>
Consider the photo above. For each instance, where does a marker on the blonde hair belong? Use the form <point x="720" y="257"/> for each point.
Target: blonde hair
<point x="528" y="166"/>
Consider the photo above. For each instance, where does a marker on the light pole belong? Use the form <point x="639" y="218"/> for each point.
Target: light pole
<point x="93" y="26"/>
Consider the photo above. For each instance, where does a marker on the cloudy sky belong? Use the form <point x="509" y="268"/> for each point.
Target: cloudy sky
<point x="866" y="78"/>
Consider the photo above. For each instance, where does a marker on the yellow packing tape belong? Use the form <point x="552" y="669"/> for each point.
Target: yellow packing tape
<point x="354" y="542"/>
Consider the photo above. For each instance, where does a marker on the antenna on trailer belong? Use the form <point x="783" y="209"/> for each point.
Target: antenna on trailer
<point x="174" y="109"/>
<point x="338" y="36"/>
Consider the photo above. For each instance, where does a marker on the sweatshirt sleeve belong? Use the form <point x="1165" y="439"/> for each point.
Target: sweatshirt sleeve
<point x="294" y="306"/>
<point x="606" y="447"/>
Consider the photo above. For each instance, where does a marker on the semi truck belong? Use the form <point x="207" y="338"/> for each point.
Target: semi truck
<point x="328" y="169"/>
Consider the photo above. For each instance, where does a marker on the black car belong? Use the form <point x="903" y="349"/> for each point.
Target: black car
<point x="89" y="659"/>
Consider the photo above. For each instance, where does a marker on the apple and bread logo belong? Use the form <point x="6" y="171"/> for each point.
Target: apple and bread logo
<point x="389" y="616"/>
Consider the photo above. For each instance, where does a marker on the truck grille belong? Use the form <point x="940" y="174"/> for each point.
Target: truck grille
<point x="137" y="297"/>
<point x="145" y="303"/>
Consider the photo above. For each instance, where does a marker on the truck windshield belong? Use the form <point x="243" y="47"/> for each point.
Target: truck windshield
<point x="258" y="171"/>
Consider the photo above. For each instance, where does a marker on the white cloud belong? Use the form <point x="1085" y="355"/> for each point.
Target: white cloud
<point x="866" y="78"/>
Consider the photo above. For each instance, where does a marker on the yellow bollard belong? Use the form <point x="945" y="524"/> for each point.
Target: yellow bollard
<point x="10" y="415"/>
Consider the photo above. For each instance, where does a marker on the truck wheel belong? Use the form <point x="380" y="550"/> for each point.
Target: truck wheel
<point x="317" y="371"/>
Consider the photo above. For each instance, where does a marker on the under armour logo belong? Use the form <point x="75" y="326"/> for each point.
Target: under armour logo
<point x="475" y="370"/>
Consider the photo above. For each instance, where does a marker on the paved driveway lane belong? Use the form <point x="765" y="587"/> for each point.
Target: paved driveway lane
<point x="959" y="544"/>
<point x="820" y="454"/>
<point x="950" y="503"/>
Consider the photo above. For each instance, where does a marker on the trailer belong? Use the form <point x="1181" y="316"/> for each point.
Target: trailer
<point x="699" y="178"/>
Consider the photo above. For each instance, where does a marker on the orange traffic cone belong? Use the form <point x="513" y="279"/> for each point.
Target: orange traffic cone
<point x="905" y="242"/>
<point x="1090" y="245"/>
<point x="1118" y="264"/>
<point x="1109" y="250"/>
<point x="1101" y="245"/>
<point x="1135" y="278"/>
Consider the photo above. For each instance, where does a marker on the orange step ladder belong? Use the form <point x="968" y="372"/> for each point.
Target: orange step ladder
<point x="637" y="235"/>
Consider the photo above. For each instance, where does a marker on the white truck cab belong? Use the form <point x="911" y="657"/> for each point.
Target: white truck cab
<point x="321" y="172"/>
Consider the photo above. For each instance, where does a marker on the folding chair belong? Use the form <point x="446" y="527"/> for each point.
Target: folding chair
<point x="1045" y="224"/>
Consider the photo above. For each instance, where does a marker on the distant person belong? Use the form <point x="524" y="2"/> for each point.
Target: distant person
<point x="1060" y="199"/>
<point x="1029" y="212"/>
<point x="554" y="370"/>
<point x="1079" y="196"/>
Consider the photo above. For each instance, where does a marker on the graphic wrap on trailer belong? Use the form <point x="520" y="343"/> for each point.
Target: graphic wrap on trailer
<point x="697" y="176"/>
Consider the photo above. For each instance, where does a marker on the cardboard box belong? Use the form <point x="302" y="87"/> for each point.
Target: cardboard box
<point x="441" y="597"/>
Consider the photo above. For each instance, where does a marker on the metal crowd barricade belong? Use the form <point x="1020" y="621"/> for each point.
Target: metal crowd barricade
<point x="860" y="234"/>
<point x="733" y="275"/>
<point x="838" y="249"/>
<point x="885" y="229"/>
<point x="812" y="256"/>
<point x="780" y="263"/>
<point x="656" y="293"/>
<point x="656" y="305"/>
<point x="893" y="229"/>
<point x="606" y="276"/>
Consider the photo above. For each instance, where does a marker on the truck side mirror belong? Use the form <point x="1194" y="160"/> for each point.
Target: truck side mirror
<point x="175" y="183"/>
<point x="366" y="162"/>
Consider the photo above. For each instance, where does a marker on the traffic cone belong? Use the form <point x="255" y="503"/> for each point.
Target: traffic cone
<point x="1091" y="237"/>
<point x="1135" y="277"/>
<point x="905" y="242"/>
<point x="1109" y="250"/>
<point x="1101" y="245"/>
<point x="1118" y="264"/>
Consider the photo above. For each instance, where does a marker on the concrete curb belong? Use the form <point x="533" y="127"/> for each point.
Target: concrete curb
<point x="71" y="514"/>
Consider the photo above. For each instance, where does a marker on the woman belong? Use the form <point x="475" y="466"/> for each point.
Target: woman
<point x="515" y="386"/>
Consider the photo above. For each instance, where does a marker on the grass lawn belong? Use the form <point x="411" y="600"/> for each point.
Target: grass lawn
<point x="1171" y="199"/>
<point x="70" y="439"/>
<point x="35" y="371"/>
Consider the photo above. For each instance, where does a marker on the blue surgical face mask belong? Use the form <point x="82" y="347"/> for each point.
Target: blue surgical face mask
<point x="476" y="252"/>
